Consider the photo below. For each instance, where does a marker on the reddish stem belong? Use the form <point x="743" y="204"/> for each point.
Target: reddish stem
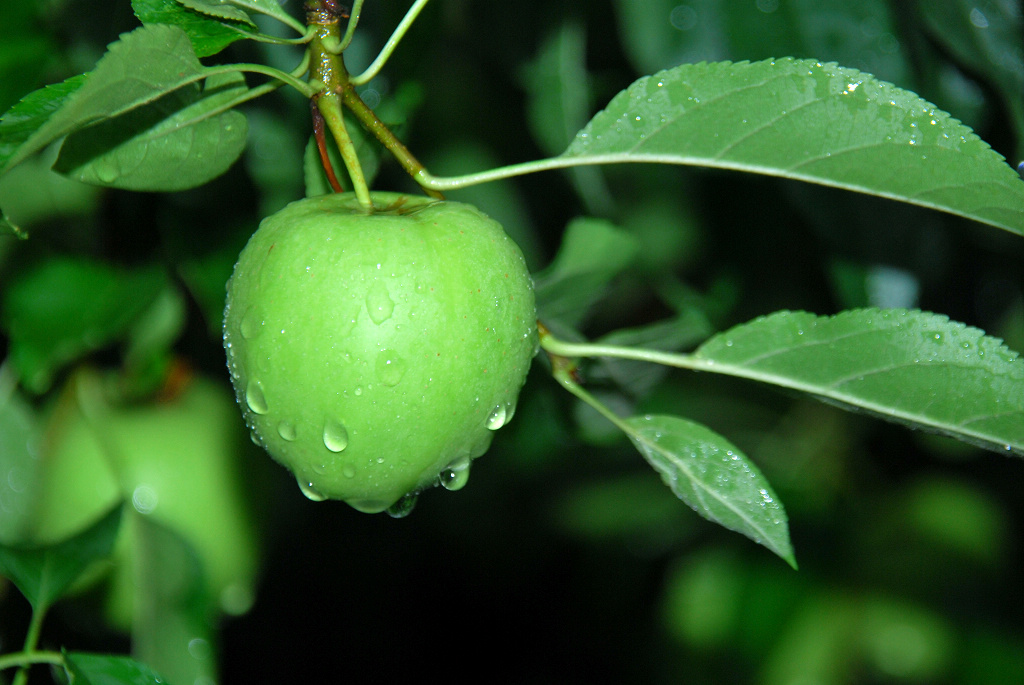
<point x="321" y="144"/>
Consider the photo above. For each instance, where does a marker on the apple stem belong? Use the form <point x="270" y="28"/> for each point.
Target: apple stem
<point x="372" y="123"/>
<point x="328" y="67"/>
<point x="321" y="144"/>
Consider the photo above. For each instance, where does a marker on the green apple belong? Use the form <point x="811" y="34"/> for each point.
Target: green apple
<point x="374" y="353"/>
<point x="175" y="462"/>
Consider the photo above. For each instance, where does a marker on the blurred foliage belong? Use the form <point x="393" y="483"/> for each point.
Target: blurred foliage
<point x="565" y="560"/>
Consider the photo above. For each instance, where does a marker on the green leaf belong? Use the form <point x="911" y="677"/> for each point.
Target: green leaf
<point x="173" y="630"/>
<point x="556" y="82"/>
<point x="142" y="67"/>
<point x="19" y="444"/>
<point x="220" y="9"/>
<point x="11" y="228"/>
<point x="62" y="308"/>
<point x="23" y="119"/>
<point x="271" y="8"/>
<point x="714" y="478"/>
<point x="984" y="35"/>
<point x="593" y="252"/>
<point x="43" y="574"/>
<point x="912" y="367"/>
<point x="208" y="36"/>
<point x="558" y="104"/>
<point x="639" y="378"/>
<point x="808" y="121"/>
<point x="108" y="669"/>
<point x="183" y="140"/>
<point x="660" y="33"/>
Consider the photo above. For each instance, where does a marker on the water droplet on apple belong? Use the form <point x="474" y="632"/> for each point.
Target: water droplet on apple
<point x="252" y="323"/>
<point x="403" y="506"/>
<point x="286" y="429"/>
<point x="498" y="418"/>
<point x="311" y="492"/>
<point x="348" y="471"/>
<point x="254" y="397"/>
<point x="335" y="435"/>
<point x="390" y="368"/>
<point x="379" y="304"/>
<point x="455" y="475"/>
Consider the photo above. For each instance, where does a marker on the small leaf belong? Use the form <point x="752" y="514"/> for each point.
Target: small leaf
<point x="43" y="574"/>
<point x="181" y="141"/>
<point x="593" y="252"/>
<point x="23" y="119"/>
<point x="219" y="9"/>
<point x="271" y="8"/>
<point x="639" y="378"/>
<point x="108" y="669"/>
<point x="63" y="308"/>
<point x="912" y="367"/>
<point x="208" y="36"/>
<point x="140" y="68"/>
<point x="714" y="478"/>
<point x="808" y="121"/>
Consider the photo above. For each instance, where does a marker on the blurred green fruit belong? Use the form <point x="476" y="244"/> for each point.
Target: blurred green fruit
<point x="175" y="462"/>
<point x="374" y="354"/>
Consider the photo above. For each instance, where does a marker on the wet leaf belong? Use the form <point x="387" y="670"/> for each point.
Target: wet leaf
<point x="139" y="69"/>
<point x="183" y="140"/>
<point x="907" y="366"/>
<point x="807" y="121"/>
<point x="714" y="478"/>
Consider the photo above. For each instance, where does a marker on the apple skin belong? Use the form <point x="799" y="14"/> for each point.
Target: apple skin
<point x="372" y="351"/>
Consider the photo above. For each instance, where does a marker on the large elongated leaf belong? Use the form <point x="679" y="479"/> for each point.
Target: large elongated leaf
<point x="912" y="367"/>
<point x="140" y="68"/>
<point x="714" y="478"/>
<point x="809" y="121"/>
